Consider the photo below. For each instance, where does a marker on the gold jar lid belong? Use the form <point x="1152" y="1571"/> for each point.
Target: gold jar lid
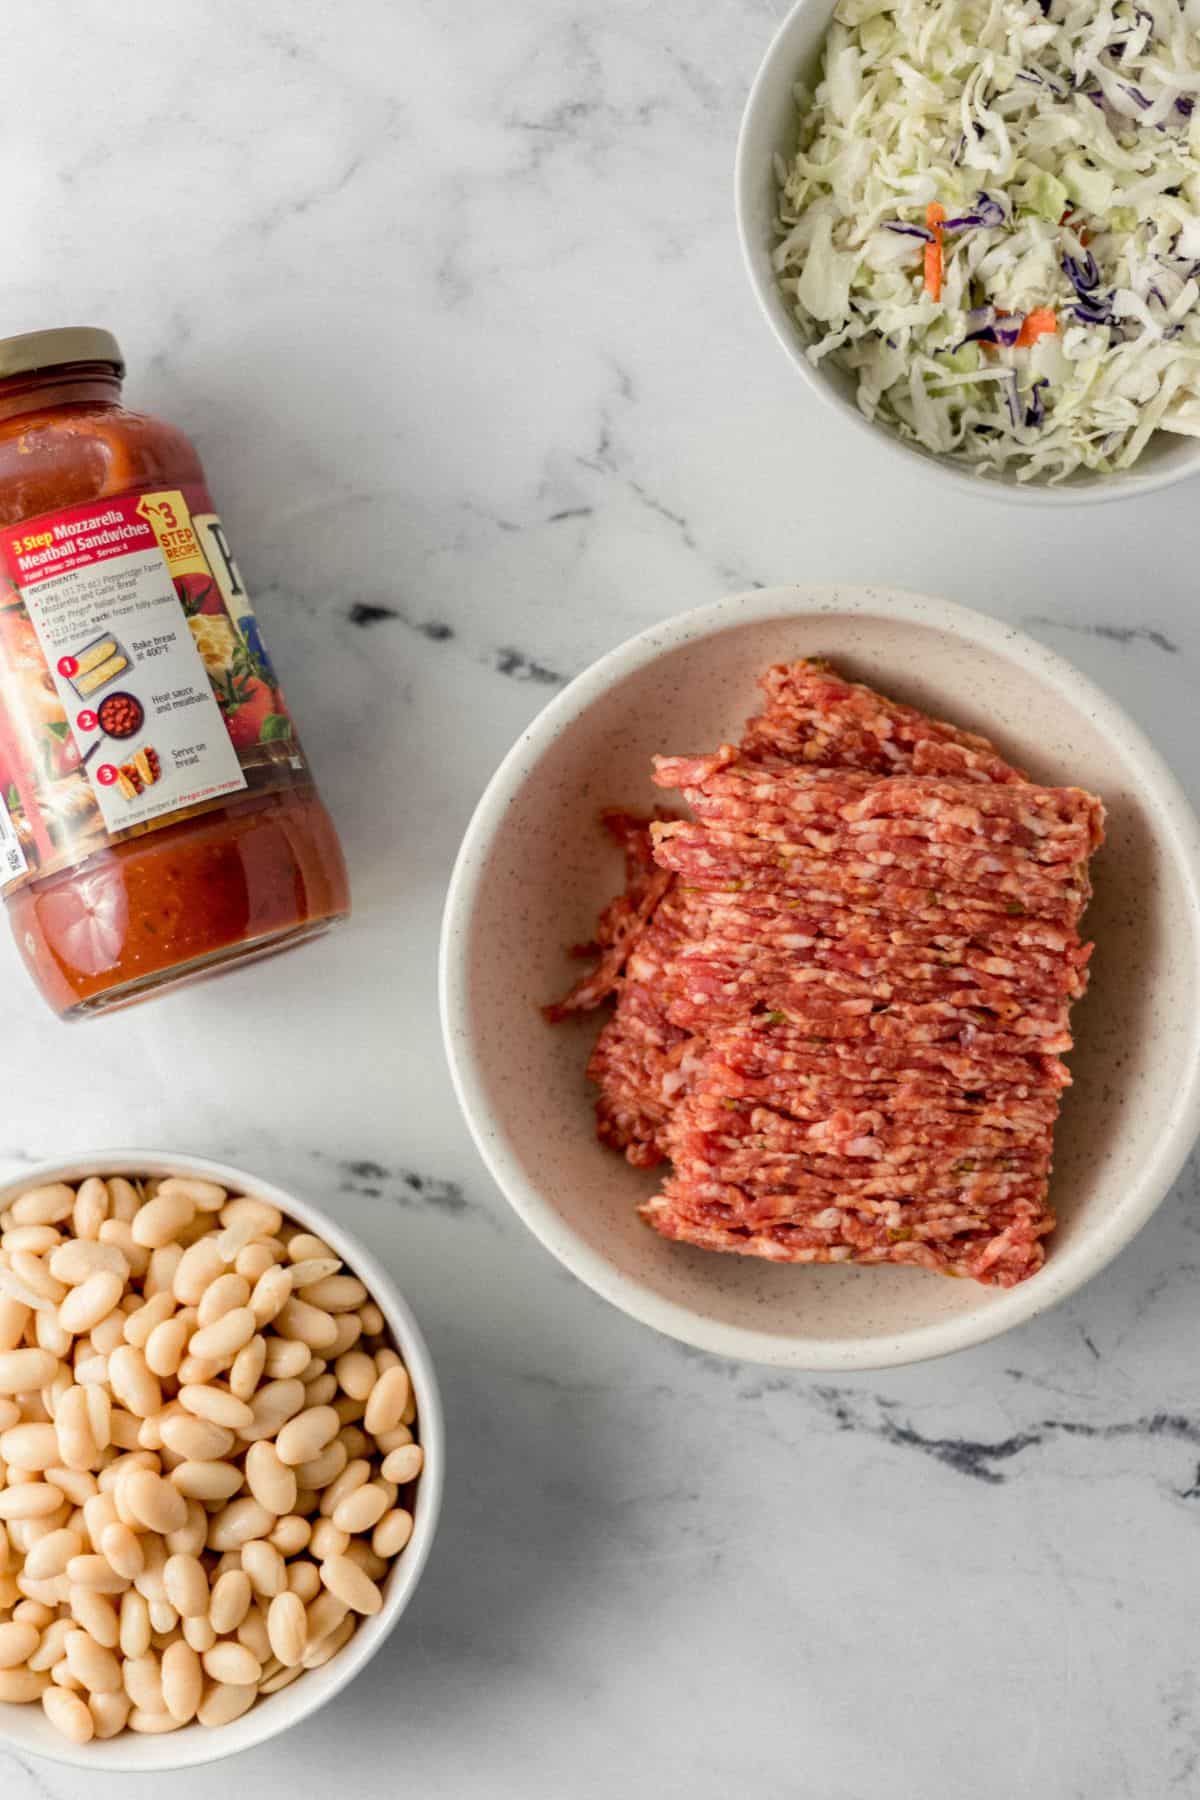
<point x="50" y="349"/>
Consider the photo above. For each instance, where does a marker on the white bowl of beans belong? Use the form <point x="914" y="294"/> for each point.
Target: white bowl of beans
<point x="221" y="1453"/>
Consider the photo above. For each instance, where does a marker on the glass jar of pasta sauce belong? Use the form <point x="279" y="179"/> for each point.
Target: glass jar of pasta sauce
<point x="158" y="818"/>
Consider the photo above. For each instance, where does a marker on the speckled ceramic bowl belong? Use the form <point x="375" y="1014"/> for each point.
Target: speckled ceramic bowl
<point x="26" y="1728"/>
<point x="769" y="127"/>
<point x="535" y="869"/>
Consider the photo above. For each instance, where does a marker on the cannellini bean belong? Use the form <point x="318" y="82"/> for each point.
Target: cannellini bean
<point x="240" y="1521"/>
<point x="162" y="1219"/>
<point x="35" y="1275"/>
<point x="85" y="1306"/>
<point x="23" y="1370"/>
<point x="141" y="1322"/>
<point x="187" y="1586"/>
<point x="304" y="1436"/>
<point x="68" y="1714"/>
<point x="291" y="1534"/>
<point x="232" y="1663"/>
<point x="133" y="1383"/>
<point x="311" y="1324"/>
<point x="349" y="1330"/>
<point x="74" y="1438"/>
<point x="223" y="1703"/>
<point x="76" y="1260"/>
<point x="38" y="1238"/>
<point x="271" y="1481"/>
<point x="356" y="1373"/>
<point x="52" y="1645"/>
<point x="286" y="1357"/>
<point x="274" y="1404"/>
<point x="304" y="1245"/>
<point x="327" y="1540"/>
<point x="17" y="1644"/>
<point x="207" y="1481"/>
<point x="142" y="1676"/>
<point x="135" y="1625"/>
<point x="199" y="1265"/>
<point x="20" y="1686"/>
<point x="272" y="1292"/>
<point x="32" y="1500"/>
<point x="334" y="1293"/>
<point x="284" y="1678"/>
<point x="255" y="1259"/>
<point x="387" y="1400"/>
<point x="403" y="1465"/>
<point x="228" y="1293"/>
<point x="50" y="1555"/>
<point x="252" y="1632"/>
<point x="247" y="1368"/>
<point x="167" y="1344"/>
<point x="349" y="1583"/>
<point x="48" y="1205"/>
<point x="123" y="1198"/>
<point x="94" y="1667"/>
<point x="315" y="1268"/>
<point x="221" y="1341"/>
<point x="206" y="1196"/>
<point x="95" y="1572"/>
<point x="91" y="1208"/>
<point x="304" y="1579"/>
<point x="152" y="1724"/>
<point x="14" y="1316"/>
<point x="352" y="1476"/>
<point x="267" y="1219"/>
<point x="190" y="1538"/>
<point x="164" y="1619"/>
<point x="230" y="1602"/>
<point x="155" y="1503"/>
<point x="198" y="1632"/>
<point x="97" y="1615"/>
<point x="196" y="1440"/>
<point x="323" y="1468"/>
<point x="123" y="1549"/>
<point x="33" y="1446"/>
<point x="217" y="1405"/>
<point x="110" y="1713"/>
<point x="182" y="1681"/>
<point x="265" y="1567"/>
<point x="327" y="1647"/>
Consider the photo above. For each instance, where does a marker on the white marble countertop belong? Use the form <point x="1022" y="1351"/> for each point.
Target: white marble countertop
<point x="451" y="300"/>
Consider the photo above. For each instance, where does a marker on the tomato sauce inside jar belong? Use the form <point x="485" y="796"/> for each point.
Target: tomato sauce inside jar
<point x="158" y="818"/>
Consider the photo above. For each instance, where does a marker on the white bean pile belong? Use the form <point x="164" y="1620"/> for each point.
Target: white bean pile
<point x="205" y="1435"/>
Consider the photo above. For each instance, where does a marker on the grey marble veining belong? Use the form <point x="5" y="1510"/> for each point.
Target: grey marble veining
<point x="451" y="300"/>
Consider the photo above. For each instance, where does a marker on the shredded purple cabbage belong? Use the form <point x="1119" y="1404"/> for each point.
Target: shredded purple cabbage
<point x="901" y="230"/>
<point x="1035" y="412"/>
<point x="986" y="212"/>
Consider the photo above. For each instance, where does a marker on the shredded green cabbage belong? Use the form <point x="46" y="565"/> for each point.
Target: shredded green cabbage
<point x="1064" y="147"/>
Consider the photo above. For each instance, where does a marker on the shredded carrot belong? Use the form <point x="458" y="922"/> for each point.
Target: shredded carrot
<point x="1041" y="322"/>
<point x="935" y="258"/>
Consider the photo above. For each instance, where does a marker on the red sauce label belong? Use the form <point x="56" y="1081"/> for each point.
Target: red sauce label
<point x="135" y="688"/>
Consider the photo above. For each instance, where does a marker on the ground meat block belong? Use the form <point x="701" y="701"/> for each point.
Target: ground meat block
<point x="843" y="989"/>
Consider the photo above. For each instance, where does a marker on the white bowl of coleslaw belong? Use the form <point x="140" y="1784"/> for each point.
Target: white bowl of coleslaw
<point x="1133" y="363"/>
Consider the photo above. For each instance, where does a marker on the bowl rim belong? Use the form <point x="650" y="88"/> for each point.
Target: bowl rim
<point x="126" y="1753"/>
<point x="778" y="64"/>
<point x="1175" y="822"/>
